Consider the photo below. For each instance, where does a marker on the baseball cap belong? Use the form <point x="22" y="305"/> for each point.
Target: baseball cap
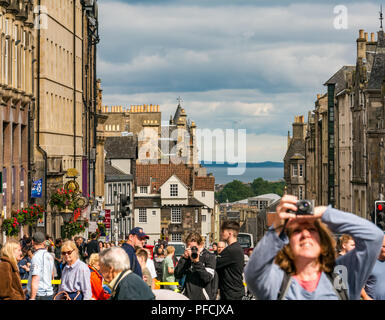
<point x="38" y="237"/>
<point x="139" y="233"/>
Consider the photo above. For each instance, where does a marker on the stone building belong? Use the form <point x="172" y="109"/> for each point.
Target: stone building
<point x="294" y="160"/>
<point x="66" y="97"/>
<point x="346" y="131"/>
<point x="16" y="99"/>
<point x="170" y="201"/>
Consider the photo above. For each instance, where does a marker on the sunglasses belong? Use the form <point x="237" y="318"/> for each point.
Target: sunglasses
<point x="66" y="252"/>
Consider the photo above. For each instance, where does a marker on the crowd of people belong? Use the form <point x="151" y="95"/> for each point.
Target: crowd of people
<point x="296" y="259"/>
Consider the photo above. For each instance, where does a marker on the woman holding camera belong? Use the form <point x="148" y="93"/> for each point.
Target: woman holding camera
<point x="296" y="258"/>
<point x="198" y="265"/>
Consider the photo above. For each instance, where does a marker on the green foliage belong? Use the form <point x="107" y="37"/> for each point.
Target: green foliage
<point x="260" y="186"/>
<point x="62" y="198"/>
<point x="30" y="215"/>
<point x="71" y="228"/>
<point x="234" y="191"/>
<point x="237" y="190"/>
<point x="11" y="227"/>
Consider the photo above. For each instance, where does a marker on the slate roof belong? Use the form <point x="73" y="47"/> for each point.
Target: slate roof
<point x="112" y="174"/>
<point x="339" y="78"/>
<point x="120" y="147"/>
<point x="377" y="76"/>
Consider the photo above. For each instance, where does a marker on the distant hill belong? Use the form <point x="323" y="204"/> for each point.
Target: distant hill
<point x="266" y="164"/>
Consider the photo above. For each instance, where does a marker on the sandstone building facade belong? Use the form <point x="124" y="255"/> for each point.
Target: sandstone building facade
<point x="345" y="133"/>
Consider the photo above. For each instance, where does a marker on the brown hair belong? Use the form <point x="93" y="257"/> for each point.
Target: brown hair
<point x="326" y="259"/>
<point x="142" y="253"/>
<point x="345" y="238"/>
<point x="194" y="237"/>
<point x="231" y="225"/>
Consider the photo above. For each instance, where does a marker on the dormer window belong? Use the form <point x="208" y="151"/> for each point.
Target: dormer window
<point x="173" y="190"/>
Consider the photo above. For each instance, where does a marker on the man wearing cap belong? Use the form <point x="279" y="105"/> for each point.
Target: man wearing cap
<point x="41" y="272"/>
<point x="136" y="238"/>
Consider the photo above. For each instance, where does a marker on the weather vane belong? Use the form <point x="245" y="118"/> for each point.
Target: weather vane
<point x="179" y="99"/>
<point x="381" y="17"/>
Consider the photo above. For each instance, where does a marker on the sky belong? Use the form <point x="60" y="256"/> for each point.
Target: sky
<point x="238" y="65"/>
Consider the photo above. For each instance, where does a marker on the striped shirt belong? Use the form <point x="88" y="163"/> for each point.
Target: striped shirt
<point x="77" y="277"/>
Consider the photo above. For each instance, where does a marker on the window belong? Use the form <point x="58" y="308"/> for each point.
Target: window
<point x="203" y="218"/>
<point x="6" y="61"/>
<point x="176" y="215"/>
<point x="110" y="193"/>
<point x="173" y="190"/>
<point x="124" y="189"/>
<point x="176" y="237"/>
<point x="196" y="215"/>
<point x="300" y="194"/>
<point x="142" y="215"/>
<point x="153" y="212"/>
<point x="143" y="189"/>
<point x="263" y="204"/>
<point x="295" y="170"/>
<point x="203" y="194"/>
<point x="301" y="170"/>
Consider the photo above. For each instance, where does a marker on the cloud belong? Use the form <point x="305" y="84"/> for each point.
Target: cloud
<point x="241" y="64"/>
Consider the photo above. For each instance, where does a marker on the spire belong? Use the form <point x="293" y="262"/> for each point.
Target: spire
<point x="381" y="17"/>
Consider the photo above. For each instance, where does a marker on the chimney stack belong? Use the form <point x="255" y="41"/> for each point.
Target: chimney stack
<point x="361" y="45"/>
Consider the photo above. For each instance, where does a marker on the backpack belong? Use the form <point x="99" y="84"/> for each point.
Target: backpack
<point x="342" y="293"/>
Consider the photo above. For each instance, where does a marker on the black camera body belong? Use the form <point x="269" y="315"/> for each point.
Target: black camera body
<point x="194" y="252"/>
<point x="304" y="207"/>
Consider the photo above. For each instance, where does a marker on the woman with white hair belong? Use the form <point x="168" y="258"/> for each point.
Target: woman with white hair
<point x="125" y="285"/>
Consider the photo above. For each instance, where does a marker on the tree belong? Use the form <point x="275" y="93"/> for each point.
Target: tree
<point x="234" y="191"/>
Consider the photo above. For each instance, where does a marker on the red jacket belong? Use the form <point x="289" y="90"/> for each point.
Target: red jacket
<point x="97" y="285"/>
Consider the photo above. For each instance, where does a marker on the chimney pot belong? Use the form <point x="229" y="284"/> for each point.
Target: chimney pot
<point x="361" y="34"/>
<point x="372" y="38"/>
<point x="366" y="36"/>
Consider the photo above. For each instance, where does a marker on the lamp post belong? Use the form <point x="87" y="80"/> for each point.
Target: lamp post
<point x="66" y="214"/>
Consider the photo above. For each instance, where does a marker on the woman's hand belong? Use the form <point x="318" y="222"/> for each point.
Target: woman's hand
<point x="289" y="203"/>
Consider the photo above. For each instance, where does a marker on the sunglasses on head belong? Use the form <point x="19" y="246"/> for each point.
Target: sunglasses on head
<point x="66" y="252"/>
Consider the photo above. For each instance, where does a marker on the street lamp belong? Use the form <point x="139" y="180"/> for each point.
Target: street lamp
<point x="66" y="214"/>
<point x="94" y="214"/>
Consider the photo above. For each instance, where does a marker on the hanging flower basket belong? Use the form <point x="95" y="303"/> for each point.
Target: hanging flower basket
<point x="11" y="227"/>
<point x="62" y="198"/>
<point x="29" y="216"/>
<point x="71" y="228"/>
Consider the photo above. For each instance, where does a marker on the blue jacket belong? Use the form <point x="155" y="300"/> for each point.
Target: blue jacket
<point x="264" y="277"/>
<point x="134" y="263"/>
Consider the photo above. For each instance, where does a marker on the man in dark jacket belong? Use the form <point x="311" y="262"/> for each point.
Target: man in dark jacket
<point x="198" y="265"/>
<point x="230" y="263"/>
<point x="93" y="245"/>
<point x="136" y="238"/>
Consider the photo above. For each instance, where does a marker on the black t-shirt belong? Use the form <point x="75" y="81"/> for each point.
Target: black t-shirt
<point x="230" y="264"/>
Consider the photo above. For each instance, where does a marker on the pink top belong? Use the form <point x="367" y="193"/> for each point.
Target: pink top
<point x="310" y="285"/>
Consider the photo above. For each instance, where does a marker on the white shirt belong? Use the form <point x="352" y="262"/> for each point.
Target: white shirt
<point x="151" y="267"/>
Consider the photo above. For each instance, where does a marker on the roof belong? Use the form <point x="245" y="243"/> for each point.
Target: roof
<point x="377" y="75"/>
<point x="339" y="78"/>
<point x="270" y="196"/>
<point x="160" y="173"/>
<point x="204" y="183"/>
<point x="112" y="173"/>
<point x="120" y="147"/>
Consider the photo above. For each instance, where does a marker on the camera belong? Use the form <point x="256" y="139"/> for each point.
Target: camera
<point x="194" y="252"/>
<point x="304" y="207"/>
